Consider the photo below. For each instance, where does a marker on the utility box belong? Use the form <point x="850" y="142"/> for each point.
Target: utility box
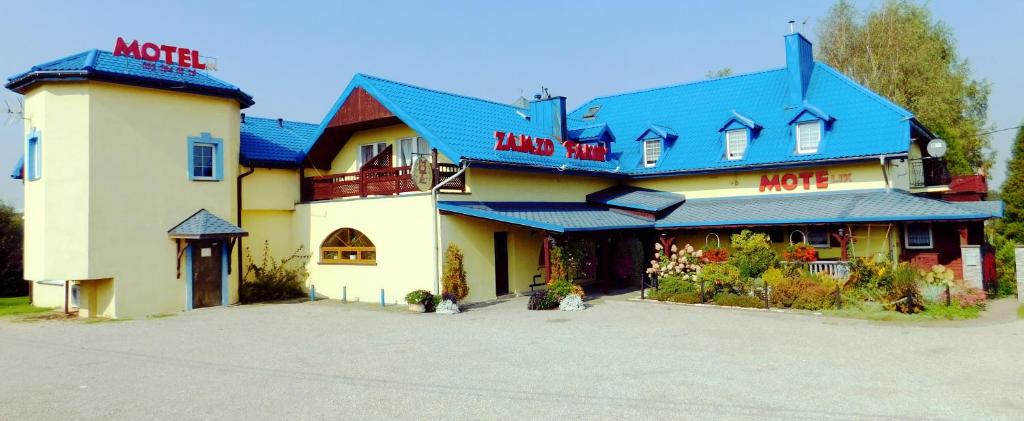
<point x="1019" y="264"/>
<point x="973" y="273"/>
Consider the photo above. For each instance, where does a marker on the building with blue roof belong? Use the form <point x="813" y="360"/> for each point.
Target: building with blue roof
<point x="394" y="173"/>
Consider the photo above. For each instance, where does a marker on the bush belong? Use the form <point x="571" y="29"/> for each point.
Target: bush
<point x="802" y="292"/>
<point x="420" y="296"/>
<point x="541" y="300"/>
<point x="560" y="289"/>
<point x="685" y="263"/>
<point x="865" y="272"/>
<point x="572" y="302"/>
<point x="691" y="297"/>
<point x="737" y="300"/>
<point x="752" y="253"/>
<point x="723" y="277"/>
<point x="903" y="293"/>
<point x="12" y="282"/>
<point x="675" y="285"/>
<point x="965" y="297"/>
<point x="272" y="280"/>
<point x="773" y="277"/>
<point x="453" y="280"/>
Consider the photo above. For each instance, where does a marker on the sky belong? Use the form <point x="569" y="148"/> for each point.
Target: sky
<point x="295" y="57"/>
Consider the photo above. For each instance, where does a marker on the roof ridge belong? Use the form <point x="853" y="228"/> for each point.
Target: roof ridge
<point x="862" y="89"/>
<point x="677" y="85"/>
<point x="438" y="91"/>
<point x="247" y="116"/>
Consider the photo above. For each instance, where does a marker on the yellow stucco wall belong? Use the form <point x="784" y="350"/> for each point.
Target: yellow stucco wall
<point x="476" y="239"/>
<point x="115" y="180"/>
<point x="398" y="226"/>
<point x="270" y="189"/>
<point x="510" y="186"/>
<point x="845" y="177"/>
<point x="271" y="227"/>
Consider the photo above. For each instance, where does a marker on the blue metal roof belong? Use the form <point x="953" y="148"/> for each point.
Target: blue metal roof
<point x="593" y="133"/>
<point x="865" y="124"/>
<point x="832" y="207"/>
<point x="204" y="224"/>
<point x="553" y="216"/>
<point x="268" y="142"/>
<point x="462" y="127"/>
<point x="630" y="197"/>
<point x="105" y="66"/>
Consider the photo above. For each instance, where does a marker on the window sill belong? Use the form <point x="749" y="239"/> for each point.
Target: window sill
<point x="356" y="263"/>
<point x="918" y="247"/>
<point x="203" y="179"/>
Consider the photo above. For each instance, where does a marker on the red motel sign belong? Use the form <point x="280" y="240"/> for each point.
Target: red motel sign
<point x="169" y="54"/>
<point x="793" y="181"/>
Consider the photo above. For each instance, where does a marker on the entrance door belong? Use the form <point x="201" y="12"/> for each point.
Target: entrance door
<point x="501" y="263"/>
<point x="206" y="273"/>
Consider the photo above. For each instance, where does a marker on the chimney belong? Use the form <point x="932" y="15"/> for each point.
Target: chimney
<point x="549" y="115"/>
<point x="280" y="122"/>
<point x="243" y="118"/>
<point x="799" y="64"/>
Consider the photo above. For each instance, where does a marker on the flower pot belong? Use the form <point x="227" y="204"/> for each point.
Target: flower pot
<point x="417" y="308"/>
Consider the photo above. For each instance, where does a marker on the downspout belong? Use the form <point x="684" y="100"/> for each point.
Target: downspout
<point x="238" y="219"/>
<point x="881" y="160"/>
<point x="437" y="227"/>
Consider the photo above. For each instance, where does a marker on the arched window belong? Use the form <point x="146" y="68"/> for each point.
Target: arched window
<point x="348" y="247"/>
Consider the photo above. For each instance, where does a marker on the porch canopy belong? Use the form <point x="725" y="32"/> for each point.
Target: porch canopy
<point x="203" y="225"/>
<point x="820" y="208"/>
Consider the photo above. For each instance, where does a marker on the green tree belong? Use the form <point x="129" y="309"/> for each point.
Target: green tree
<point x="1013" y="191"/>
<point x="12" y="282"/>
<point x="901" y="52"/>
<point x="752" y="253"/>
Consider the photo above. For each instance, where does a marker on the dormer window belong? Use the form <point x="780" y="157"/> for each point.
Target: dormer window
<point x="808" y="136"/>
<point x="735" y="143"/>
<point x="652" y="152"/>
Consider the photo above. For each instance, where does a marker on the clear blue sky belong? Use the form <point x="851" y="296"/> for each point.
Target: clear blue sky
<point x="295" y="57"/>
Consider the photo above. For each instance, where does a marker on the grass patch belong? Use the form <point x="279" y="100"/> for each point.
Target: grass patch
<point x="935" y="312"/>
<point x="97" y="320"/>
<point x="159" y="315"/>
<point x="1020" y="311"/>
<point x="19" y="305"/>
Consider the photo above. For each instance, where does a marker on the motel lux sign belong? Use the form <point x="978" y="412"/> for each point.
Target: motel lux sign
<point x="804" y="180"/>
<point x="546" y="147"/>
<point x="162" y="55"/>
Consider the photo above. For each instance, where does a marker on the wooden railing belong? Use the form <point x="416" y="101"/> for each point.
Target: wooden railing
<point x="835" y="269"/>
<point x="374" y="182"/>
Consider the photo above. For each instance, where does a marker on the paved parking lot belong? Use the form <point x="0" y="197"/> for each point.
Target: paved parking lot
<point x="618" y="359"/>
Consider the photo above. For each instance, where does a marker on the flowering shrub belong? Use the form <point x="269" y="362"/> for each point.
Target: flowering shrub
<point x="685" y="263"/>
<point x="722" y="277"/>
<point x="752" y="253"/>
<point x="965" y="296"/>
<point x="800" y="253"/>
<point x="938" y="275"/>
<point x="715" y="254"/>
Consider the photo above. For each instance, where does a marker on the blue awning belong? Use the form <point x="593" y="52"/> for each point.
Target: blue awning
<point x="824" y="208"/>
<point x="549" y="216"/>
<point x="863" y="206"/>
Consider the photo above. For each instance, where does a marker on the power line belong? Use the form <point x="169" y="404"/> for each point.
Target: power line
<point x="999" y="130"/>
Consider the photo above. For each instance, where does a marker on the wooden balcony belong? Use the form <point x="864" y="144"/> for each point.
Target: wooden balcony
<point x="385" y="181"/>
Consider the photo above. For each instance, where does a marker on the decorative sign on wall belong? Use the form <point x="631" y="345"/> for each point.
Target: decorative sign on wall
<point x="546" y="147"/>
<point x="422" y="173"/>
<point x="523" y="143"/>
<point x="584" y="151"/>
<point x="167" y="54"/>
<point x="803" y="180"/>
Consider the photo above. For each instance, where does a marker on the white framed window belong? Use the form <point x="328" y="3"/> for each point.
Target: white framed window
<point x="808" y="136"/>
<point x="411" y="148"/>
<point x="204" y="166"/>
<point x="818" y="237"/>
<point x="735" y="143"/>
<point x="918" y="236"/>
<point x="370" y="150"/>
<point x="652" y="152"/>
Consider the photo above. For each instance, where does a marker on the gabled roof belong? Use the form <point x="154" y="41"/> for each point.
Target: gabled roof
<point x="636" y="198"/>
<point x="204" y="224"/>
<point x="812" y="110"/>
<point x="105" y="66"/>
<point x="742" y="120"/>
<point x="461" y="127"/>
<point x="822" y="208"/>
<point x="867" y="125"/>
<point x="658" y="130"/>
<point x="271" y="143"/>
<point x="593" y="133"/>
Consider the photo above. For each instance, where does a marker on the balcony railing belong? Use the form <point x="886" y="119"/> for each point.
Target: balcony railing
<point x="374" y="182"/>
<point x="927" y="172"/>
<point x="836" y="269"/>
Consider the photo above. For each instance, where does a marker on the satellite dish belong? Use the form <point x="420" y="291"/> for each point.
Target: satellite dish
<point x="937" y="148"/>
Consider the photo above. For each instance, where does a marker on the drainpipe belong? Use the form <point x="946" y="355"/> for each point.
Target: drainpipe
<point x="881" y="160"/>
<point x="437" y="228"/>
<point x="238" y="219"/>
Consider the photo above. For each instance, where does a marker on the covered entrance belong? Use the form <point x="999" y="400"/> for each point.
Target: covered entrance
<point x="205" y="241"/>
